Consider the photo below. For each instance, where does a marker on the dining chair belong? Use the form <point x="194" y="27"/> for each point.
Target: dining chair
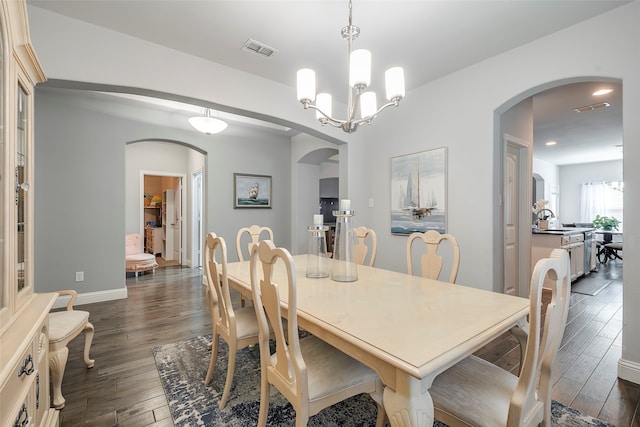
<point x="239" y="328"/>
<point x="362" y="249"/>
<point x="65" y="325"/>
<point x="431" y="262"/>
<point x="254" y="232"/>
<point x="476" y="392"/>
<point x="310" y="373"/>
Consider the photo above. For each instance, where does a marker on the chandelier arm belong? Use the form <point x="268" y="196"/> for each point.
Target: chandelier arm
<point x="327" y="119"/>
<point x="393" y="103"/>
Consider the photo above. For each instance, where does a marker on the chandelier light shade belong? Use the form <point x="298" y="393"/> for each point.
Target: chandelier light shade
<point x="207" y="124"/>
<point x="359" y="80"/>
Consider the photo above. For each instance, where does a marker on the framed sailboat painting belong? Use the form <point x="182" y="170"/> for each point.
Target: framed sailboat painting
<point x="251" y="191"/>
<point x="419" y="192"/>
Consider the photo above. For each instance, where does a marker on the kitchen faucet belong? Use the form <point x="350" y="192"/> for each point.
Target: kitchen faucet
<point x="551" y="214"/>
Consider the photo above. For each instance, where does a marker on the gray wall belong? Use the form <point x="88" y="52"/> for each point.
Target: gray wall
<point x="80" y="189"/>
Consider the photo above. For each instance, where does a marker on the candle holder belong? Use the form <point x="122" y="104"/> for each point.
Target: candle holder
<point x="317" y="261"/>
<point x="344" y="266"/>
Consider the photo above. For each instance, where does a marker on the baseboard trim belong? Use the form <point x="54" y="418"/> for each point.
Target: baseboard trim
<point x="628" y="370"/>
<point x="93" y="297"/>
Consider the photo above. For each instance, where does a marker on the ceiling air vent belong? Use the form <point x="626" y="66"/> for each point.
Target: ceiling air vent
<point x="591" y="107"/>
<point x="258" y="48"/>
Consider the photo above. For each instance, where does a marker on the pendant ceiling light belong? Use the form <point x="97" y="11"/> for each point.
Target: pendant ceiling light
<point x="359" y="80"/>
<point x="208" y="124"/>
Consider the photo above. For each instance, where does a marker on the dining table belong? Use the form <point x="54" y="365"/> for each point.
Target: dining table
<point x="407" y="328"/>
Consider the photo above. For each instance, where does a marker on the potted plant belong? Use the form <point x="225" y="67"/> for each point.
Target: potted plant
<point x="607" y="224"/>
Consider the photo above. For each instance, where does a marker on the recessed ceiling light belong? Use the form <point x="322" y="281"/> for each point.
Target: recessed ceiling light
<point x="550" y="143"/>
<point x="602" y="92"/>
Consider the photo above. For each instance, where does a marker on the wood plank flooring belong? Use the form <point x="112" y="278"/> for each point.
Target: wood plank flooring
<point x="123" y="389"/>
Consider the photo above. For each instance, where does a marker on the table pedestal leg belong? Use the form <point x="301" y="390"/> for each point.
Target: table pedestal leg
<point x="410" y="404"/>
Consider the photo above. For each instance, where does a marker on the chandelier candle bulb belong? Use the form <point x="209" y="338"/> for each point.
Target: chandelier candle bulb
<point x="323" y="102"/>
<point x="368" y="104"/>
<point x="394" y="83"/>
<point x="306" y="85"/>
<point x="360" y="68"/>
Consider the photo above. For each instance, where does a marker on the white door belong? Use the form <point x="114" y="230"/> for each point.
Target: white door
<point x="511" y="220"/>
<point x="177" y="226"/>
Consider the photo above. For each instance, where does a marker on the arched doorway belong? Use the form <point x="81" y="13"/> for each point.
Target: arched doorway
<point x="172" y="163"/>
<point x="524" y="110"/>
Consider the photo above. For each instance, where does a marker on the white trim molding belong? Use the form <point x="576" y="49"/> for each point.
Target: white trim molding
<point x="92" y="297"/>
<point x="628" y="370"/>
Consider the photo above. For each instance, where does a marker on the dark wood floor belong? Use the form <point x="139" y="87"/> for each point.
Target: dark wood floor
<point x="123" y="389"/>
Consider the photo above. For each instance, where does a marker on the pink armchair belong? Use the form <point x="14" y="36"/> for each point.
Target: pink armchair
<point x="136" y="259"/>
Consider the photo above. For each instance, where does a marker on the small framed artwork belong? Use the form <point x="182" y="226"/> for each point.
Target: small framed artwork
<point x="251" y="191"/>
<point x="419" y="192"/>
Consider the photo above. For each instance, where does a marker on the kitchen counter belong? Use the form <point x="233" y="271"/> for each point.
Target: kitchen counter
<point x="563" y="231"/>
<point x="571" y="239"/>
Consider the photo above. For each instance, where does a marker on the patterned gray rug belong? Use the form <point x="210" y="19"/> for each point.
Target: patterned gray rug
<point x="183" y="365"/>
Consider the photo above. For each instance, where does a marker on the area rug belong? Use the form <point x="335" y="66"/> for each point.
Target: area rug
<point x="183" y="365"/>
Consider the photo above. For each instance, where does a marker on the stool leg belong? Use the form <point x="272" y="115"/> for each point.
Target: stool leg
<point x="88" y="339"/>
<point x="57" y="364"/>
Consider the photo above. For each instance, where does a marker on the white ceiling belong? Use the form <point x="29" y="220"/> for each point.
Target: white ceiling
<point x="430" y="39"/>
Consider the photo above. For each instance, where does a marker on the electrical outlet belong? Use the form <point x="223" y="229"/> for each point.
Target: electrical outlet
<point x="79" y="276"/>
<point x="371" y="202"/>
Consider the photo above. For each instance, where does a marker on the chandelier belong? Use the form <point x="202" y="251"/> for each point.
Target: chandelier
<point x="359" y="80"/>
<point x="207" y="124"/>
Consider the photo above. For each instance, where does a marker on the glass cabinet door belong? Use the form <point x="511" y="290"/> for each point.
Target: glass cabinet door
<point x="22" y="186"/>
<point x="3" y="177"/>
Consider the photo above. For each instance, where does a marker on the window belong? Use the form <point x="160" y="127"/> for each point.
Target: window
<point x="601" y="198"/>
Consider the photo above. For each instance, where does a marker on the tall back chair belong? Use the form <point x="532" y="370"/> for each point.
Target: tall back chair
<point x="477" y="392"/>
<point x="361" y="250"/>
<point x="239" y="328"/>
<point x="254" y="232"/>
<point x="310" y="373"/>
<point x="431" y="262"/>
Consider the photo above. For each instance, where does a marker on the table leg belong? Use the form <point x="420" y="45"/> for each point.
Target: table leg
<point x="410" y="404"/>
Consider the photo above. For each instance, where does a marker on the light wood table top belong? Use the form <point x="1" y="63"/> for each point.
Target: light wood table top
<point x="407" y="328"/>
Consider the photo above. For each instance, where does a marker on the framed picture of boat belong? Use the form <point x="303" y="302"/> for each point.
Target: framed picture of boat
<point x="251" y="191"/>
<point x="419" y="192"/>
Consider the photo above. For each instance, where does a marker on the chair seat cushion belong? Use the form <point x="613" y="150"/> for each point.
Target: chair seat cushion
<point x="330" y="370"/>
<point x="63" y="324"/>
<point x="476" y="391"/>
<point x="140" y="261"/>
<point x="246" y="322"/>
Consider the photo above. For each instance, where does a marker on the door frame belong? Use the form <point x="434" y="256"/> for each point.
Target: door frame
<point x="181" y="178"/>
<point x="197" y="182"/>
<point x="523" y="220"/>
